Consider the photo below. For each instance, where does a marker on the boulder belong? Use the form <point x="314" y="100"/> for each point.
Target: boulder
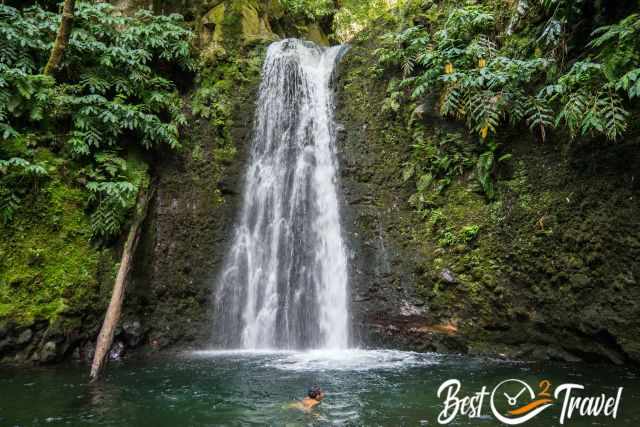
<point x="49" y="352"/>
<point x="24" y="337"/>
<point x="6" y="345"/>
<point x="254" y="26"/>
<point x="315" y="34"/>
<point x="117" y="351"/>
<point x="4" y="330"/>
<point x="132" y="332"/>
<point x="211" y="34"/>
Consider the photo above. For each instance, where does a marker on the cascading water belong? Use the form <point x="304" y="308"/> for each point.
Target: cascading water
<point x="284" y="282"/>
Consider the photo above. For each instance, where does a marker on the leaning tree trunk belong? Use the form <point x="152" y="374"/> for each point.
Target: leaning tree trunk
<point x="105" y="338"/>
<point x="62" y="39"/>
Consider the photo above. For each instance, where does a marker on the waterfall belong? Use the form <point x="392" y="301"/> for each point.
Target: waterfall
<point x="284" y="281"/>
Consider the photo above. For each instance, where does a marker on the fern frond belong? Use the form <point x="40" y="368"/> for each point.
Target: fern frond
<point x="614" y="115"/>
<point x="630" y="82"/>
<point x="407" y="66"/>
<point x="517" y="106"/>
<point x="484" y="115"/>
<point x="539" y="116"/>
<point x="574" y="110"/>
<point x="452" y="102"/>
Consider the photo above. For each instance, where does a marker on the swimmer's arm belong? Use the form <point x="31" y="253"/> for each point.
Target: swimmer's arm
<point x="296" y="405"/>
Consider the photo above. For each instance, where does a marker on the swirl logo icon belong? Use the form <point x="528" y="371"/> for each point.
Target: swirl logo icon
<point x="523" y="405"/>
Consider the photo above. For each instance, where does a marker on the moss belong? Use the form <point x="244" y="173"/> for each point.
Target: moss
<point x="211" y="32"/>
<point x="551" y="259"/>
<point x="254" y="26"/>
<point x="48" y="265"/>
<point x="234" y="24"/>
<point x="315" y="34"/>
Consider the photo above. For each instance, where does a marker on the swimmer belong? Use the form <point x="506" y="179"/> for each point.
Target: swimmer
<point x="312" y="399"/>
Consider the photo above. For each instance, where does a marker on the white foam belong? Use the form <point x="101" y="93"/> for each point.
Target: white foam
<point x="330" y="360"/>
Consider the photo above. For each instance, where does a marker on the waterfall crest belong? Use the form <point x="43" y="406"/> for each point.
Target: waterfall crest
<point x="284" y="282"/>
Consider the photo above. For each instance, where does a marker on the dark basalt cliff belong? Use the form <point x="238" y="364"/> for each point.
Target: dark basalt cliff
<point x="187" y="230"/>
<point x="552" y="272"/>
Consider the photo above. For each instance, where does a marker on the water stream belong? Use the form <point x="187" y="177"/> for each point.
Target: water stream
<point x="284" y="283"/>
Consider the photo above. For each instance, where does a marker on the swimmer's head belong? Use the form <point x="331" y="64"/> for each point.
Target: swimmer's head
<point x="315" y="393"/>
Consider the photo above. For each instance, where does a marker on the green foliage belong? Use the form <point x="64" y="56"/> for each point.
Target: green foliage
<point x="539" y="116"/>
<point x="311" y="9"/>
<point x="113" y="184"/>
<point x="115" y="90"/>
<point x="469" y="233"/>
<point x="618" y="46"/>
<point x="461" y="59"/>
<point x="354" y="17"/>
<point x="592" y="93"/>
<point x="589" y="103"/>
<point x="483" y="84"/>
<point x="112" y="88"/>
<point x="434" y="163"/>
<point x="440" y="224"/>
<point x="9" y="203"/>
<point x="113" y="200"/>
<point x="215" y="96"/>
<point x="17" y="174"/>
<point x="484" y="172"/>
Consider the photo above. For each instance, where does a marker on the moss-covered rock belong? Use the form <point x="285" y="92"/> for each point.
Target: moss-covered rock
<point x="546" y="270"/>
<point x="254" y="25"/>
<point x="233" y="22"/>
<point x="211" y="34"/>
<point x="50" y="271"/>
<point x="315" y="34"/>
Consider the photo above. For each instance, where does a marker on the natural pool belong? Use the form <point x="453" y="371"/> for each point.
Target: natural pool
<point x="378" y="388"/>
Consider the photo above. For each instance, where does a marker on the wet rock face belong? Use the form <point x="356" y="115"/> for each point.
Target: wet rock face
<point x="187" y="232"/>
<point x="39" y="343"/>
<point x="186" y="236"/>
<point x="224" y="23"/>
<point x="376" y="217"/>
<point x="552" y="272"/>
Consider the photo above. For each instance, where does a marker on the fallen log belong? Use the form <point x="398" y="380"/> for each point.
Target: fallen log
<point x="105" y="338"/>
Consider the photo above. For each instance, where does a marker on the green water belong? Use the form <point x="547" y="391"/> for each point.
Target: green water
<point x="384" y="388"/>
